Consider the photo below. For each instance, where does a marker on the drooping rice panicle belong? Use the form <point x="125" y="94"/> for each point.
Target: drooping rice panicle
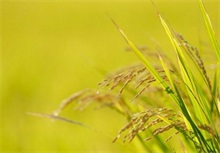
<point x="148" y="119"/>
<point x="194" y="54"/>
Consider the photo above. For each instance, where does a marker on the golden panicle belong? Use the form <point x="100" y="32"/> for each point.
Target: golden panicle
<point x="194" y="53"/>
<point x="148" y="119"/>
<point x="133" y="77"/>
<point x="85" y="98"/>
<point x="170" y="137"/>
<point x="162" y="129"/>
<point x="207" y="128"/>
<point x="69" y="100"/>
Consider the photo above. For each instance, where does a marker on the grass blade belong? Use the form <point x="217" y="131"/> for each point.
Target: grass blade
<point x="210" y="30"/>
<point x="51" y="116"/>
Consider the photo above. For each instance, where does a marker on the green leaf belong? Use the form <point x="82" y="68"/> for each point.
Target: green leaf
<point x="210" y="29"/>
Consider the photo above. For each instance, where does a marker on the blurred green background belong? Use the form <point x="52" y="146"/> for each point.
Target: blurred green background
<point x="53" y="48"/>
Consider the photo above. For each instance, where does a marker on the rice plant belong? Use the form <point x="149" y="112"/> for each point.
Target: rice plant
<point x="156" y="99"/>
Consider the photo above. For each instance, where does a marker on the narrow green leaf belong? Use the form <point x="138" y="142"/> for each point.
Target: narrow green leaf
<point x="167" y="71"/>
<point x="210" y="30"/>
